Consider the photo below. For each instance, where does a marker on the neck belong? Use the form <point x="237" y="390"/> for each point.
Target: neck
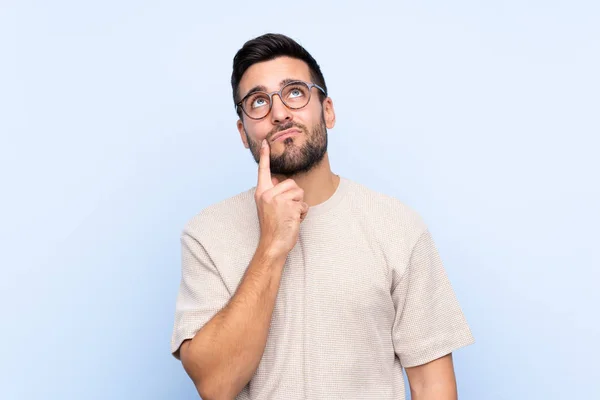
<point x="318" y="184"/>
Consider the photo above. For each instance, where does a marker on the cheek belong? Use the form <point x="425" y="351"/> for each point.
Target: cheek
<point x="257" y="131"/>
<point x="316" y="112"/>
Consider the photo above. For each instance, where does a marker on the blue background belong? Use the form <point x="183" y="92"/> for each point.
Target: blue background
<point x="117" y="126"/>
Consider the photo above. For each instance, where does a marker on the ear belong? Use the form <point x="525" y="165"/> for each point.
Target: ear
<point x="240" y="126"/>
<point x="329" y="113"/>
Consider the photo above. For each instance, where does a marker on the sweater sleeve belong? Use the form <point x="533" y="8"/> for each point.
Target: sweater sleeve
<point x="202" y="292"/>
<point x="429" y="322"/>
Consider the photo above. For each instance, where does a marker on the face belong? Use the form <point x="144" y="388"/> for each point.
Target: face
<point x="305" y="144"/>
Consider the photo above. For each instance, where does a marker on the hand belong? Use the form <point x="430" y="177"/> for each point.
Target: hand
<point x="281" y="208"/>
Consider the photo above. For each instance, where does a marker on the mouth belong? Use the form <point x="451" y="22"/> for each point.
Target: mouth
<point x="279" y="136"/>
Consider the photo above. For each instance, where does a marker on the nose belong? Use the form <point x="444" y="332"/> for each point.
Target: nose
<point x="279" y="111"/>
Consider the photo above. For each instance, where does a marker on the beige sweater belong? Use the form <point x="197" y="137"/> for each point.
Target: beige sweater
<point x="363" y="294"/>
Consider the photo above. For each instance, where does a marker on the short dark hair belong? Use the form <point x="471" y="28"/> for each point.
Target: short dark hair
<point x="268" y="47"/>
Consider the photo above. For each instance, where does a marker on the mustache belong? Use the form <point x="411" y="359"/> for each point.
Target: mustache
<point x="283" y="127"/>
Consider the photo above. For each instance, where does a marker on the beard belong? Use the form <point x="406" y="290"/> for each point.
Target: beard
<point x="295" y="159"/>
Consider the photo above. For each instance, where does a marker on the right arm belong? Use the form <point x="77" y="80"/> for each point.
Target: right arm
<point x="224" y="354"/>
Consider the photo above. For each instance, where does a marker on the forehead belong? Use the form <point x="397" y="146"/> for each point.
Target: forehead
<point x="270" y="74"/>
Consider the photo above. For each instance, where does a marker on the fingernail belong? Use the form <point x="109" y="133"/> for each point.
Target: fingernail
<point x="264" y="143"/>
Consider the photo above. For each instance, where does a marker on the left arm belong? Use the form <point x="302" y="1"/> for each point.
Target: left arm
<point x="429" y="324"/>
<point x="433" y="381"/>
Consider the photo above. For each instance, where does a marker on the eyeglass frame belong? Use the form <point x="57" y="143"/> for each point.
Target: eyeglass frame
<point x="278" y="92"/>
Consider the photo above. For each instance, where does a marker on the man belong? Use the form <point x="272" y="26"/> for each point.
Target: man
<point x="309" y="285"/>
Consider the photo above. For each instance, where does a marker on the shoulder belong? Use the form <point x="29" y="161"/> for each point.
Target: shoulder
<point x="384" y="209"/>
<point x="225" y="217"/>
<point x="395" y="224"/>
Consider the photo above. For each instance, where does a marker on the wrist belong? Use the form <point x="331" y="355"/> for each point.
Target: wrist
<point x="270" y="254"/>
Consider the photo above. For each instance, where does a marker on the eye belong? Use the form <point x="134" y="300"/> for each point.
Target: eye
<point x="296" y="92"/>
<point x="259" y="101"/>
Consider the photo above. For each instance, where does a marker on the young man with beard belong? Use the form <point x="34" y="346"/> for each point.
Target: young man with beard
<point x="309" y="285"/>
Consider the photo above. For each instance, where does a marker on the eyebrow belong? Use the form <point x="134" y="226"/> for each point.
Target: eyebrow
<point x="261" y="88"/>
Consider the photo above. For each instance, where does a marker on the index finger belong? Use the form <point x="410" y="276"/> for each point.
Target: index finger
<point x="264" y="168"/>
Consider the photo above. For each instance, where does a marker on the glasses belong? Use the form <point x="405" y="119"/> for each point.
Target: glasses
<point x="295" y="95"/>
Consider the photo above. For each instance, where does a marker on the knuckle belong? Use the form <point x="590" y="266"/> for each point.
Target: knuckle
<point x="266" y="197"/>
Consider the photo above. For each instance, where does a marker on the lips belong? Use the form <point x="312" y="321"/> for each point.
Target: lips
<point x="284" y="134"/>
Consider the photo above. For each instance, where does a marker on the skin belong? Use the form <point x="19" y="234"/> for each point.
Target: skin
<point x="434" y="380"/>
<point x="225" y="353"/>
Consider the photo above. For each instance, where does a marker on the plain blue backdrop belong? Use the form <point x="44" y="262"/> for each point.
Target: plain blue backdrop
<point x="117" y="126"/>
